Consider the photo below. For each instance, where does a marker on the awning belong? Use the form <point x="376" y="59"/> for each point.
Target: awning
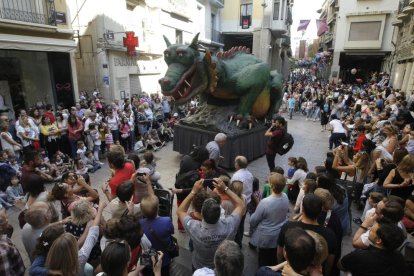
<point x="33" y="43"/>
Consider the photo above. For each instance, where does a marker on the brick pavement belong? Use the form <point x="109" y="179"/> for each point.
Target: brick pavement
<point x="309" y="143"/>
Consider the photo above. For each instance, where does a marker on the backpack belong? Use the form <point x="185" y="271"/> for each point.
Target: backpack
<point x="186" y="180"/>
<point x="326" y="108"/>
<point x="286" y="143"/>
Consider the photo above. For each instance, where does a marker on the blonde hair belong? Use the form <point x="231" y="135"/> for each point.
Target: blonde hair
<point x="82" y="212"/>
<point x="63" y="255"/>
<point x="149" y="207"/>
<point x="236" y="187"/>
<point x="321" y="248"/>
<point x="407" y="164"/>
<point x="326" y="197"/>
<point x="277" y="182"/>
<point x="391" y="129"/>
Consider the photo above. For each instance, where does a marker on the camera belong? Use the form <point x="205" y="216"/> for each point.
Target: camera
<point x="146" y="257"/>
<point x="141" y="174"/>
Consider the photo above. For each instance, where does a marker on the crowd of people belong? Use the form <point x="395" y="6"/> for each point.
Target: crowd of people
<point x="296" y="222"/>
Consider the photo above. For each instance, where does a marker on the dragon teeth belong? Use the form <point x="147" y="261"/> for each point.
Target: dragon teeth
<point x="180" y="93"/>
<point x="186" y="82"/>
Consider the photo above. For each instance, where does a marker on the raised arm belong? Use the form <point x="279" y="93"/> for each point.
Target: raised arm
<point x="235" y="199"/>
<point x="183" y="208"/>
<point x="92" y="194"/>
<point x="348" y="169"/>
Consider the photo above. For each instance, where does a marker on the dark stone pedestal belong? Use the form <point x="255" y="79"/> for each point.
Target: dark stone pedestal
<point x="251" y="144"/>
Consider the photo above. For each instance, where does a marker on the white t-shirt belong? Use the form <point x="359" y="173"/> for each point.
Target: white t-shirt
<point x="337" y="126"/>
<point x="28" y="131"/>
<point x="112" y="123"/>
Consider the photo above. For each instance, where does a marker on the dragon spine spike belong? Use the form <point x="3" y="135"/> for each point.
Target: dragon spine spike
<point x="167" y="41"/>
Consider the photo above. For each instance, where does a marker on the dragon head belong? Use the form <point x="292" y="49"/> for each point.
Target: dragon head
<point x="183" y="78"/>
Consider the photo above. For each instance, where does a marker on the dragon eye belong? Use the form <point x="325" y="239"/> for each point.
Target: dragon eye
<point x="180" y="54"/>
<point x="166" y="54"/>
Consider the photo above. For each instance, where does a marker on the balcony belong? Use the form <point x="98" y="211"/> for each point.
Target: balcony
<point x="31" y="11"/>
<point x="278" y="27"/>
<point x="217" y="3"/>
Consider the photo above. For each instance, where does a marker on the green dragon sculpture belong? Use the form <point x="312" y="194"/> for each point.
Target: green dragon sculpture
<point x="231" y="76"/>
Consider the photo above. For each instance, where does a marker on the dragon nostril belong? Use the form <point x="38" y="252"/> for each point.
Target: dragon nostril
<point x="166" y="81"/>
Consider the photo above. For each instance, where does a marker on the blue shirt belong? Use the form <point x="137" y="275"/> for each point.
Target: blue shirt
<point x="291" y="103"/>
<point x="15" y="191"/>
<point x="159" y="231"/>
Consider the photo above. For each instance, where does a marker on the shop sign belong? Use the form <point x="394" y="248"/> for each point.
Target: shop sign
<point x="125" y="62"/>
<point x="245" y="21"/>
<point x="60" y="17"/>
<point x="105" y="79"/>
<point x="130" y="42"/>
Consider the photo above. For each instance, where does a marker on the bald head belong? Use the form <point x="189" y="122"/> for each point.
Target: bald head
<point x="241" y="162"/>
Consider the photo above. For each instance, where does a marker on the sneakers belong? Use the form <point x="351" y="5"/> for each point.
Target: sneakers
<point x="101" y="163"/>
<point x="246" y="234"/>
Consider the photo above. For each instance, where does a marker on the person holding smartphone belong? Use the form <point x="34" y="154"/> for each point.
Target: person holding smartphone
<point x="212" y="230"/>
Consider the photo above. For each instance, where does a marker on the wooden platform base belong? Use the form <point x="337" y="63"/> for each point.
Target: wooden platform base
<point x="251" y="144"/>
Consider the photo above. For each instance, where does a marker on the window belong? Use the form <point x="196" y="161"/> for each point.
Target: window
<point x="178" y="37"/>
<point x="246" y="15"/>
<point x="276" y="7"/>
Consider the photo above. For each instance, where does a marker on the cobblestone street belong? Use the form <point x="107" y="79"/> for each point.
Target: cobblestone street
<point x="310" y="143"/>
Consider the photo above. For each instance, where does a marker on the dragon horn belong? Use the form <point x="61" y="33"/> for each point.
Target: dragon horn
<point x="194" y="42"/>
<point x="167" y="41"/>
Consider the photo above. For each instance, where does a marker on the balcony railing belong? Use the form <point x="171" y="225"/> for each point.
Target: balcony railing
<point x="33" y="11"/>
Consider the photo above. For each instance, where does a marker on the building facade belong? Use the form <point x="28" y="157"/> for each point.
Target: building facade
<point x="261" y="25"/>
<point x="101" y="58"/>
<point x="402" y="76"/>
<point x="367" y="43"/>
<point x="36" y="54"/>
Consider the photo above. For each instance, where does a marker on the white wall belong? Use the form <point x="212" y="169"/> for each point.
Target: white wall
<point x="364" y="7"/>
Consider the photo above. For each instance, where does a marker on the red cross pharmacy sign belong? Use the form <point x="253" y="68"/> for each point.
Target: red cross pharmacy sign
<point x="130" y="42"/>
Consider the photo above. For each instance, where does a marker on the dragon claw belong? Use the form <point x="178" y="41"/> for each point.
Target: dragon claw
<point x="245" y="121"/>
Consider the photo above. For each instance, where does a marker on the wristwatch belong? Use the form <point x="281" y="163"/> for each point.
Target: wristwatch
<point x="225" y="189"/>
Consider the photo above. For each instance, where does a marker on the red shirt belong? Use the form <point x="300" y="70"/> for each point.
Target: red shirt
<point x="71" y="130"/>
<point x="275" y="140"/>
<point x="135" y="253"/>
<point x="120" y="176"/>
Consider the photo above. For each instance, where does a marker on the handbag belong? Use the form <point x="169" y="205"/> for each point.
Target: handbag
<point x="173" y="250"/>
